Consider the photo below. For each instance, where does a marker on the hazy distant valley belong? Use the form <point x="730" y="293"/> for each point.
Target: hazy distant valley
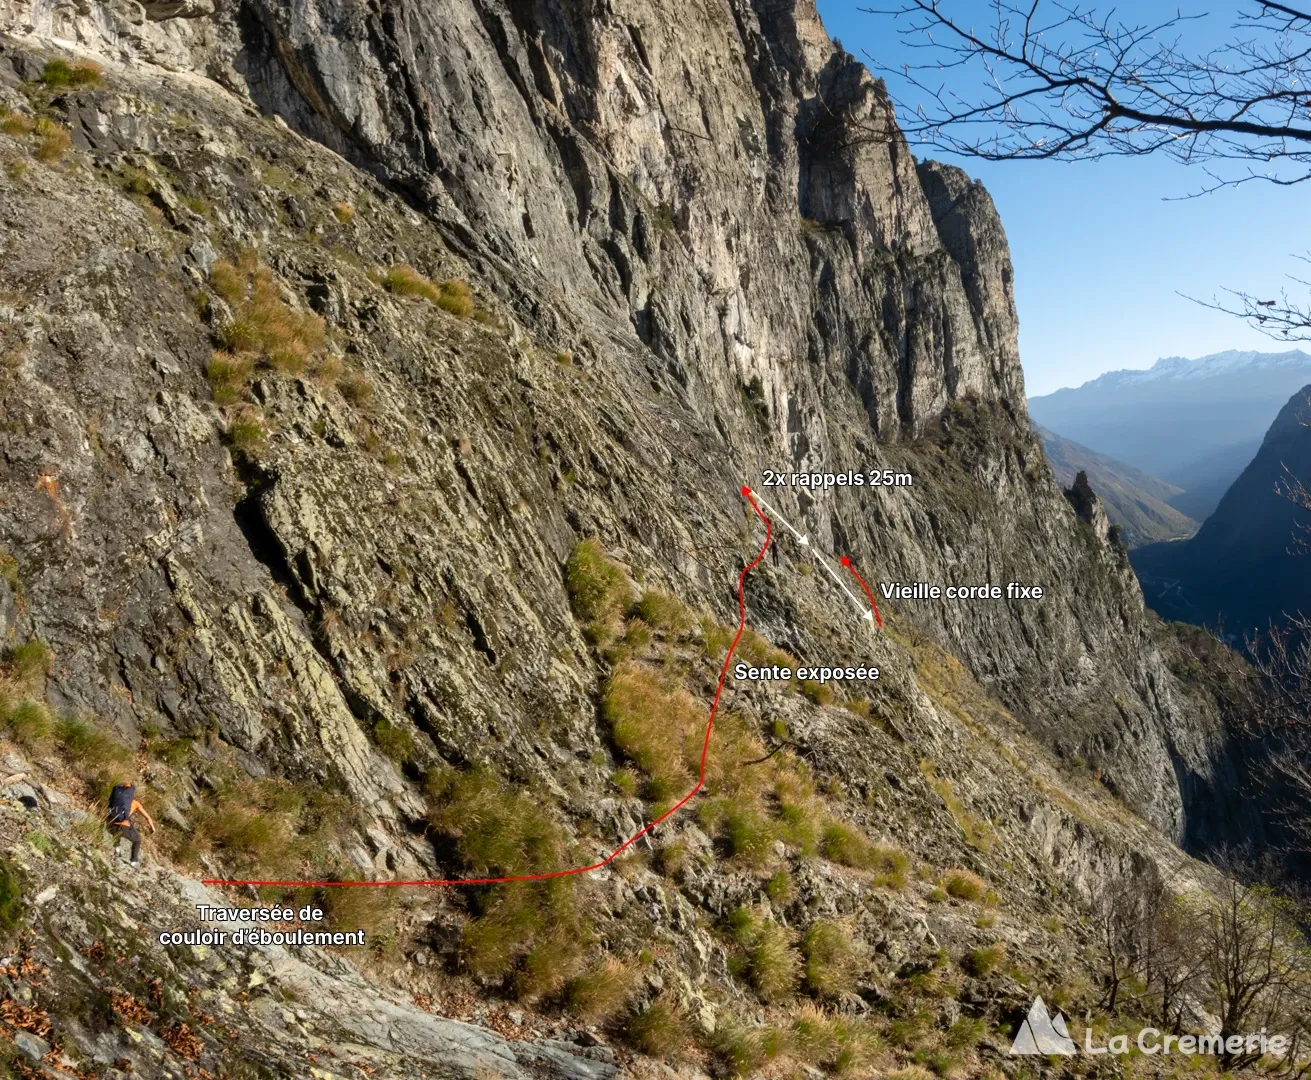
<point x="1190" y="458"/>
<point x="1194" y="424"/>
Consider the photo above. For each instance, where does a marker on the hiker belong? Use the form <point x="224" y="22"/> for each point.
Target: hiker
<point x="773" y="551"/>
<point x="122" y="805"/>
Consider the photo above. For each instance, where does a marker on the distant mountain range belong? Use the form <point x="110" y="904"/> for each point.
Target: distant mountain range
<point x="1241" y="570"/>
<point x="1134" y="500"/>
<point x="1194" y="424"/>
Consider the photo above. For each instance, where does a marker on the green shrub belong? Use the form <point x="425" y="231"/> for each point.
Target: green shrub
<point x="395" y="742"/>
<point x="60" y="73"/>
<point x="598" y="589"/>
<point x="29" y="663"/>
<point x="964" y="885"/>
<point x="662" y="611"/>
<point x="715" y="638"/>
<point x="602" y="992"/>
<point x="845" y="844"/>
<point x="661" y="1031"/>
<point x="830" y="961"/>
<point x="983" y="961"/>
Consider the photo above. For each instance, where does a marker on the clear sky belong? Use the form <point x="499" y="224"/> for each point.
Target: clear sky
<point x="1100" y="254"/>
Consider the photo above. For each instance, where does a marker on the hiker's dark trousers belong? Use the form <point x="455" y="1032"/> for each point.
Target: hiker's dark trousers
<point x="127" y="832"/>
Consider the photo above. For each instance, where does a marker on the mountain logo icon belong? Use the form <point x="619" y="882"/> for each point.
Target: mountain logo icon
<point x="1041" y="1033"/>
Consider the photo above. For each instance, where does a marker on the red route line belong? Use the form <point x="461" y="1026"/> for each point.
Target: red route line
<point x="872" y="602"/>
<point x="701" y="779"/>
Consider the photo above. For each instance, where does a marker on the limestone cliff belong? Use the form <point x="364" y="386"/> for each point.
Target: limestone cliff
<point x="340" y="326"/>
<point x="715" y="212"/>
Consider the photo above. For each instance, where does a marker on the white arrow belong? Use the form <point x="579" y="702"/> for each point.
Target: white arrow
<point x="868" y="614"/>
<point x="800" y="537"/>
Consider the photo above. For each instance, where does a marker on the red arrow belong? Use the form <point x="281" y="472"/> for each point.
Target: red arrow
<point x="847" y="563"/>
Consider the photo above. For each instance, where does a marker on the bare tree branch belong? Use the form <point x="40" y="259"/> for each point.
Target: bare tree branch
<point x="1056" y="82"/>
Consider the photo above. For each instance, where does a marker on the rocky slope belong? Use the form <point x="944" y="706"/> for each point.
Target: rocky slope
<point x="728" y="235"/>
<point x="336" y="330"/>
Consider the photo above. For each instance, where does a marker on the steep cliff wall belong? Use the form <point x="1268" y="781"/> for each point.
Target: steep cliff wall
<point x="338" y="328"/>
<point x="714" y="210"/>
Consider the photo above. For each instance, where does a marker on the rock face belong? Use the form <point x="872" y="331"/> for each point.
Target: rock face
<point x="716" y="213"/>
<point x="295" y="515"/>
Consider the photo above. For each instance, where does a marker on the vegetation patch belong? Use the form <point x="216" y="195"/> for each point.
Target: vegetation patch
<point x="453" y="295"/>
<point x="831" y="965"/>
<point x="598" y="588"/>
<point x="983" y="961"/>
<point x="11" y="896"/>
<point x="52" y="140"/>
<point x="265" y="329"/>
<point x="661" y="1030"/>
<point x="534" y="927"/>
<point x="60" y="74"/>
<point x="652" y="724"/>
<point x="964" y="885"/>
<point x="603" y="991"/>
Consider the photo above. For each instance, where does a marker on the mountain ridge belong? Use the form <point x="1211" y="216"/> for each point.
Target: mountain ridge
<point x="1241" y="571"/>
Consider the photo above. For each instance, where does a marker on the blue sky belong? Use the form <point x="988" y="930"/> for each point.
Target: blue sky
<point x="1100" y="255"/>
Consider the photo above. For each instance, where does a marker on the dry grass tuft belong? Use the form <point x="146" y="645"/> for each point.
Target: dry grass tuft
<point x="53" y="140"/>
<point x="603" y="991"/>
<point x="964" y="885"/>
<point x="453" y="295"/>
<point x="662" y="1030"/>
<point x="831" y="965"/>
<point x="264" y="325"/>
<point x="653" y="725"/>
